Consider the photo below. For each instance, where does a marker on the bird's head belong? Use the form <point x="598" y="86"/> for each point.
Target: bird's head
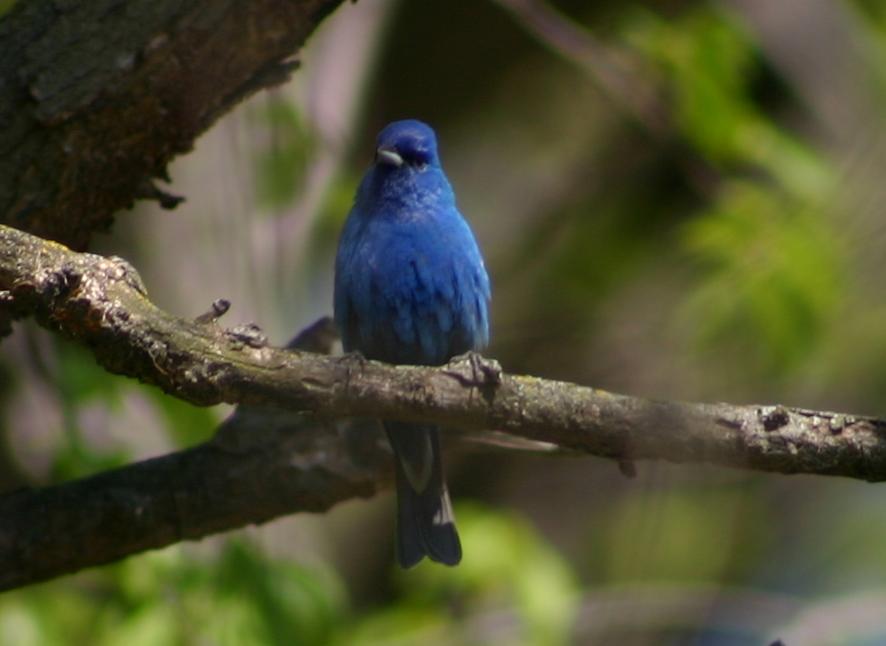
<point x="407" y="144"/>
<point x="406" y="176"/>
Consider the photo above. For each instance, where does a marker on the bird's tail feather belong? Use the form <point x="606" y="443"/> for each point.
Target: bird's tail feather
<point x="425" y="522"/>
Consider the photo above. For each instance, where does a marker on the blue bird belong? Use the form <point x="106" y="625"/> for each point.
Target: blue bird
<point x="411" y="288"/>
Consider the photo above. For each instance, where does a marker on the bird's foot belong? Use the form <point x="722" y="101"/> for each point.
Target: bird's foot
<point x="475" y="370"/>
<point x="352" y="361"/>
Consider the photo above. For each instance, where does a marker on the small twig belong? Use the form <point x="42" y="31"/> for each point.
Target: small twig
<point x="621" y="76"/>
<point x="219" y="308"/>
<point x="148" y="190"/>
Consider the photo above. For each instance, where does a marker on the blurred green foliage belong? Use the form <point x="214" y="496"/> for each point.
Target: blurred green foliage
<point x="81" y="386"/>
<point x="80" y="383"/>
<point x="871" y="37"/>
<point x="702" y="536"/>
<point x="186" y="424"/>
<point x="241" y="596"/>
<point x="508" y="566"/>
<point x="330" y="219"/>
<point x="281" y="164"/>
<point x="771" y="271"/>
<point x="171" y="597"/>
<point x="771" y="278"/>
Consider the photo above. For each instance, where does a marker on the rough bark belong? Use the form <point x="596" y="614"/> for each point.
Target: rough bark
<point x="262" y="463"/>
<point x="96" y="96"/>
<point x="280" y="454"/>
<point x="101" y="303"/>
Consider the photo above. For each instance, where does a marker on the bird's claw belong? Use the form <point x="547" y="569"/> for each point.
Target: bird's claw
<point x="473" y="369"/>
<point x="353" y="360"/>
<point x="349" y="363"/>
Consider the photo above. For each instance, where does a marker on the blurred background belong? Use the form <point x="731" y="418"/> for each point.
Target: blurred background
<point x="675" y="198"/>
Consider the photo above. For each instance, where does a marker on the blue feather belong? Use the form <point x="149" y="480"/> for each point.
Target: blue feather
<point x="411" y="288"/>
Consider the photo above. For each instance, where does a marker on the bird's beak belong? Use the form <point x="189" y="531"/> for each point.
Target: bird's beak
<point x="388" y="157"/>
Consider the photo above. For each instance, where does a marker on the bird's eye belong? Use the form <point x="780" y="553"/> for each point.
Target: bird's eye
<point x="418" y="159"/>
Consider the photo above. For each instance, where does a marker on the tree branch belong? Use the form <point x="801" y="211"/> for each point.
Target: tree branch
<point x="101" y="303"/>
<point x="97" y="96"/>
<point x="262" y="464"/>
<point x="265" y="463"/>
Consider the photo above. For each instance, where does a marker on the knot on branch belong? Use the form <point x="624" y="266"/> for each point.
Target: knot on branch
<point x="774" y="417"/>
<point x="45" y="289"/>
<point x="249" y="335"/>
<point x="119" y="269"/>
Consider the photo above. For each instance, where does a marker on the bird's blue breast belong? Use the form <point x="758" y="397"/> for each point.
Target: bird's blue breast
<point x="410" y="282"/>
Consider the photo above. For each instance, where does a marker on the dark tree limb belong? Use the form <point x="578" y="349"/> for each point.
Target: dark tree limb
<point x="292" y="466"/>
<point x="261" y="464"/>
<point x="269" y="462"/>
<point x="97" y="96"/>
